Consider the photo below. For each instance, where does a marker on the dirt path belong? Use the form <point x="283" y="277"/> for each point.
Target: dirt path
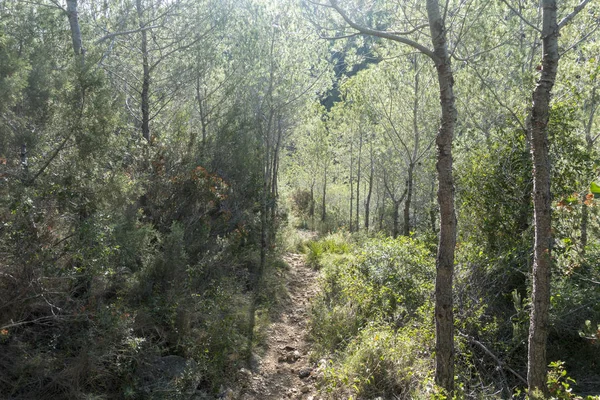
<point x="284" y="371"/>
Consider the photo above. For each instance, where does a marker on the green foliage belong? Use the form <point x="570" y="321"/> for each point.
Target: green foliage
<point x="494" y="181"/>
<point x="367" y="313"/>
<point x="382" y="361"/>
<point x="332" y="245"/>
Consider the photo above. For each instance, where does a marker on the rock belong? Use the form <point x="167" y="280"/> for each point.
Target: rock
<point x="304" y="373"/>
<point x="296" y="355"/>
<point x="245" y="372"/>
<point x="255" y="362"/>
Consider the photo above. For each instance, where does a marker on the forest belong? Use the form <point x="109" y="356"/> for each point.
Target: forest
<point x="415" y="185"/>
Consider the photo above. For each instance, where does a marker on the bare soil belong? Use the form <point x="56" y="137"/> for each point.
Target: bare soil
<point x="284" y="370"/>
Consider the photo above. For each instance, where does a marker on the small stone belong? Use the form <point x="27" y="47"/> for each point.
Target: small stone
<point x="296" y="354"/>
<point x="304" y="373"/>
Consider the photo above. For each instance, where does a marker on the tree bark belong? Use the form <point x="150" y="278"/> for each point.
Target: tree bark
<point x="414" y="156"/>
<point x="396" y="202"/>
<point x="351" y="184"/>
<point x="145" y="103"/>
<point x="358" y="181"/>
<point x="396" y="230"/>
<point x="311" y="211"/>
<point x="409" y="187"/>
<point x="432" y="212"/>
<point x="540" y="112"/>
<point x="382" y="212"/>
<point x="370" y="192"/>
<point x="444" y="318"/>
<point x="73" y="16"/>
<point x="324" y="210"/>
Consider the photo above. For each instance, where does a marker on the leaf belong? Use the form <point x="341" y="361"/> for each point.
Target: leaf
<point x="595" y="189"/>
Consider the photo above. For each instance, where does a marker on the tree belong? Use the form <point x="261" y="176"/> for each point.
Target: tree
<point x="440" y="56"/>
<point x="538" y="132"/>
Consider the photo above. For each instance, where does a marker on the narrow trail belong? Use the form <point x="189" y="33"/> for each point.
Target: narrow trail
<point x="284" y="371"/>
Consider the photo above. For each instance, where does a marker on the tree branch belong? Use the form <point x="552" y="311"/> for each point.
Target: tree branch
<point x="500" y="363"/>
<point x="522" y="17"/>
<point x="114" y="34"/>
<point x="576" y="11"/>
<point x="52" y="157"/>
<point x="339" y="37"/>
<point x="382" y="34"/>
<point x="497" y="98"/>
<point x="416" y="28"/>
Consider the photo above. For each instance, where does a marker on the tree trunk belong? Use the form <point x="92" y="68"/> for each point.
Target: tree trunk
<point x="382" y="213"/>
<point x="444" y="355"/>
<point x="275" y="172"/>
<point x="311" y="211"/>
<point x="414" y="156"/>
<point x="409" y="186"/>
<point x="444" y="318"/>
<point x="538" y="328"/>
<point x="73" y="16"/>
<point x="324" y="211"/>
<point x="146" y="74"/>
<point x="351" y="185"/>
<point x="370" y="192"/>
<point x="201" y="98"/>
<point x="432" y="212"/>
<point x="396" y="219"/>
<point x="358" y="182"/>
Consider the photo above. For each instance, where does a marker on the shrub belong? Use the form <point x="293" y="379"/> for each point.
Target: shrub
<point x="371" y="301"/>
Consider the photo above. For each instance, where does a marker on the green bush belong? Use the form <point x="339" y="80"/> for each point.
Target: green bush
<point x="373" y="313"/>
<point x="383" y="361"/>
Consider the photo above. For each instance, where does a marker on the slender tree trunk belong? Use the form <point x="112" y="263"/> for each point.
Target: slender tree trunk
<point x="311" y="211"/>
<point x="358" y="182"/>
<point x="444" y="318"/>
<point x="432" y="212"/>
<point x="24" y="162"/>
<point x="201" y="109"/>
<point x="409" y="186"/>
<point x="73" y="15"/>
<point x="413" y="157"/>
<point x="396" y="202"/>
<point x="145" y="104"/>
<point x="382" y="213"/>
<point x="538" y="328"/>
<point x="351" y="184"/>
<point x="396" y="219"/>
<point x="370" y="192"/>
<point x="275" y="171"/>
<point x="324" y="211"/>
